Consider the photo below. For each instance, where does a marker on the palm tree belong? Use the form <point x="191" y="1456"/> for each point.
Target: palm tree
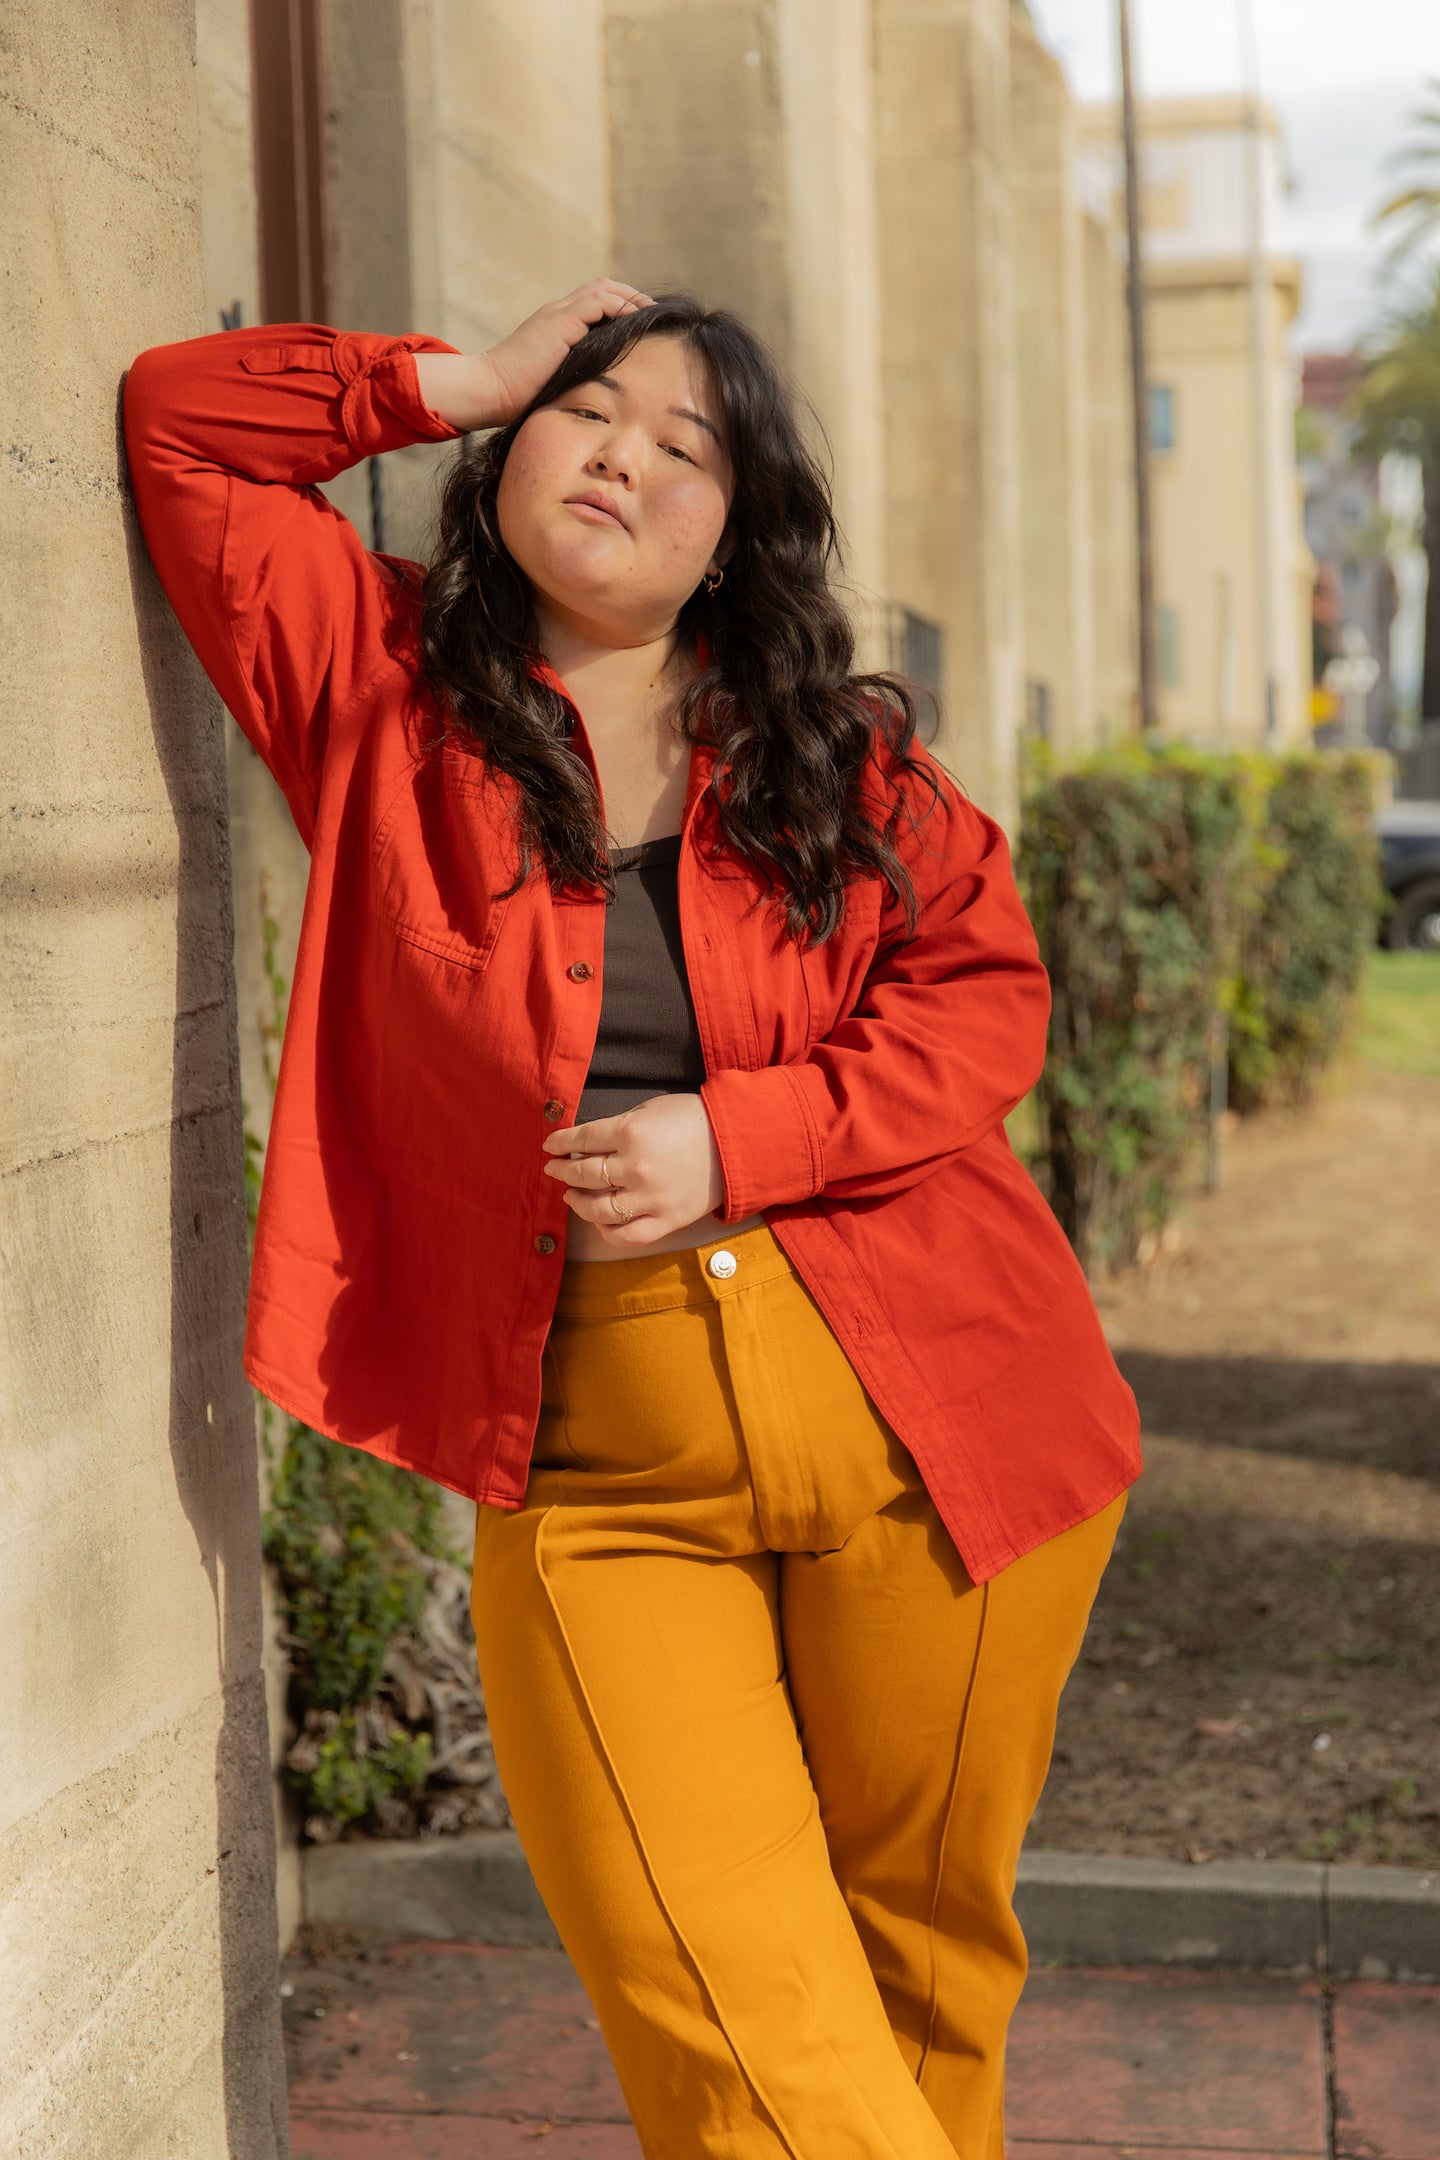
<point x="1415" y="205"/>
<point x="1397" y="407"/>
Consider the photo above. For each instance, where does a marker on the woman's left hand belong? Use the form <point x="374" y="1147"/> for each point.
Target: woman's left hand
<point x="662" y="1164"/>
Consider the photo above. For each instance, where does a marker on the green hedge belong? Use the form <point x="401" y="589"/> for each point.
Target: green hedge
<point x="1179" y="895"/>
<point x="1132" y="867"/>
<point x="1316" y="904"/>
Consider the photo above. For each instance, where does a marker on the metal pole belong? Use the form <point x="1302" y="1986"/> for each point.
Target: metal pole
<point x="1219" y="1098"/>
<point x="1260" y="416"/>
<point x="1135" y="297"/>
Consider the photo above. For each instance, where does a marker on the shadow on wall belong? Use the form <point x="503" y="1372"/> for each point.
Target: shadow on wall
<point x="211" y="1414"/>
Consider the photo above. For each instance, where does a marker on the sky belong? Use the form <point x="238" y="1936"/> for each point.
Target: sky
<point x="1343" y="75"/>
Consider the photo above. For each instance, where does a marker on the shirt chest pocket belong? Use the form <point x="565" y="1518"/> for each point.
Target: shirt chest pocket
<point x="441" y="856"/>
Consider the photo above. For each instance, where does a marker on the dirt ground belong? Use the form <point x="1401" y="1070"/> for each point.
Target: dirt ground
<point x="1261" y="1677"/>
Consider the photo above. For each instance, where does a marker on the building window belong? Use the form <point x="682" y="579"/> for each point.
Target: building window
<point x="1162" y="416"/>
<point x="1167" y="647"/>
<point x="1037" y="711"/>
<point x="916" y="648"/>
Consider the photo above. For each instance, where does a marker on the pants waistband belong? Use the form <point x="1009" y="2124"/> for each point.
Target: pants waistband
<point x="658" y="1282"/>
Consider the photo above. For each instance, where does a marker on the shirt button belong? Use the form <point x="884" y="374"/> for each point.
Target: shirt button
<point x="544" y="1243"/>
<point x="722" y="1264"/>
<point x="554" y="1110"/>
<point x="580" y="971"/>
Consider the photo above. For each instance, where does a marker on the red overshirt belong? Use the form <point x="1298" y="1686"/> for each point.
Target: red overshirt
<point x="408" y="1250"/>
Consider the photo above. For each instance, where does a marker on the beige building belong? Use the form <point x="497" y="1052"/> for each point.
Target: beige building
<point x="882" y="187"/>
<point x="1073" y="416"/>
<point x="887" y="190"/>
<point x="1232" y="572"/>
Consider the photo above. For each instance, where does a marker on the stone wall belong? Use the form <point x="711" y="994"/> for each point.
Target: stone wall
<point x="138" y="2000"/>
<point x="742" y="148"/>
<point x="269" y="863"/>
<point x="469" y="180"/>
<point x="1057" y="524"/>
<point x="947" y="304"/>
<point x="1110" y="430"/>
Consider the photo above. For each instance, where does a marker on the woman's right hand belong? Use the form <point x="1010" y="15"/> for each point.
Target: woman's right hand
<point x="490" y="389"/>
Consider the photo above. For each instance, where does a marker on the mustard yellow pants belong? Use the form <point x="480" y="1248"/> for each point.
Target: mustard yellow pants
<point x="769" y="1750"/>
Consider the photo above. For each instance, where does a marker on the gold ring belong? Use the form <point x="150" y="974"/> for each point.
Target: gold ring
<point x="625" y="1214"/>
<point x="605" y="1171"/>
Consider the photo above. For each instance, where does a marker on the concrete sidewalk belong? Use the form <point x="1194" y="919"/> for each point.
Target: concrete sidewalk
<point x="424" y="2050"/>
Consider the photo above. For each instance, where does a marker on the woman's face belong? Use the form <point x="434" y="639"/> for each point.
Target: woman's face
<point x="614" y="498"/>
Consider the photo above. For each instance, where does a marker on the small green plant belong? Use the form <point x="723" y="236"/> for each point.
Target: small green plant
<point x="1133" y="866"/>
<point x="1316" y="897"/>
<point x="345" y="1778"/>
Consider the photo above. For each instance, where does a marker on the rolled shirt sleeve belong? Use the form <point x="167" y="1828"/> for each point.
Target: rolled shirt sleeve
<point x="228" y="438"/>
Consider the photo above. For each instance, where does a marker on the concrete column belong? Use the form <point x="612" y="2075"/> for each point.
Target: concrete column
<point x="468" y="174"/>
<point x="269" y="861"/>
<point x="1050" y="344"/>
<point x="510" y="161"/>
<point x="742" y="150"/>
<point x="827" y="79"/>
<point x="951" y="438"/>
<point x="1112" y="482"/>
<point x="698" y="154"/>
<point x="522" y="159"/>
<point x="138" y="1998"/>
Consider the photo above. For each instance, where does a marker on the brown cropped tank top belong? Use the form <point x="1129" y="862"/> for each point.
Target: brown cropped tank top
<point x="648" y="1042"/>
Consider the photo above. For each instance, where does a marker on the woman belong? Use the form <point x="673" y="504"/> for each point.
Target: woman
<point x="638" y="1166"/>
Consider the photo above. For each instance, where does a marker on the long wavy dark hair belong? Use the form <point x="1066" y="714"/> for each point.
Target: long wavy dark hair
<point x="794" y="728"/>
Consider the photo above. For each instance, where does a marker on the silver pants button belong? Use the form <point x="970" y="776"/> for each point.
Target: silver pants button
<point x="723" y="1264"/>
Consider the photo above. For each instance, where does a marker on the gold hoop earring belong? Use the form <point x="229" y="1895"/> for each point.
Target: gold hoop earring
<point x="713" y="581"/>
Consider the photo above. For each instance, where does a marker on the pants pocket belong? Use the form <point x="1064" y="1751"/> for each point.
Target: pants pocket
<point x="553" y="1448"/>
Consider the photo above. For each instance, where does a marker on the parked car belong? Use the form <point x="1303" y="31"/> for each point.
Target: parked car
<point x="1409" y="834"/>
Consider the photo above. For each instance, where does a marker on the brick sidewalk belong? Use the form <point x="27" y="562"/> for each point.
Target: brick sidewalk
<point x="434" y="2051"/>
